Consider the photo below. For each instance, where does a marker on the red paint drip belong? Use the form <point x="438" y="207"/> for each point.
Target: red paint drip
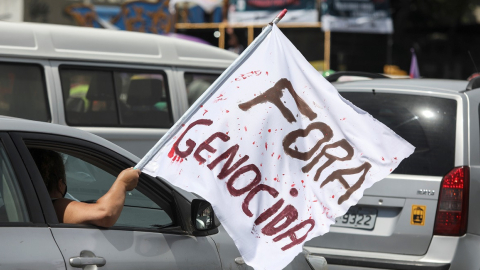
<point x="205" y="112"/>
<point x="293" y="185"/>
<point x="172" y="151"/>
<point x="395" y="158"/>
<point x="279" y="156"/>
<point x="266" y="72"/>
<point x="269" y="130"/>
<point x="383" y="159"/>
<point x="273" y="154"/>
<point x="253" y="143"/>
<point x="266" y="146"/>
<point x="245" y="128"/>
<point x="333" y="196"/>
<point x="228" y="111"/>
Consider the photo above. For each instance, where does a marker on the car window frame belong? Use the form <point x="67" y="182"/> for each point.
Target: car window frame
<point x="112" y="69"/>
<point x="26" y="187"/>
<point x="153" y="188"/>
<point x="44" y="83"/>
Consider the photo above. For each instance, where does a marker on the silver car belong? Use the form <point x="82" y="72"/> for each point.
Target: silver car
<point x="424" y="215"/>
<point x="154" y="231"/>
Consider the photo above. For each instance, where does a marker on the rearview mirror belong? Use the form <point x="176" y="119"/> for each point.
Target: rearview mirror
<point x="203" y="217"/>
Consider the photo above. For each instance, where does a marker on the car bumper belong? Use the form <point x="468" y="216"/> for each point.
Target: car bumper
<point x="380" y="263"/>
<point x="441" y="255"/>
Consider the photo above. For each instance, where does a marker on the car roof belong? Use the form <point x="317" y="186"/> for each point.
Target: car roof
<point x="432" y="85"/>
<point x="48" y="41"/>
<point x="23" y="125"/>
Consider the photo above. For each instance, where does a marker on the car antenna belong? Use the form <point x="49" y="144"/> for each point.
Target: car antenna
<point x="474" y="65"/>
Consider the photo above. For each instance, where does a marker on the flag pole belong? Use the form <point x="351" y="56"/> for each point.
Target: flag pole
<point x="210" y="91"/>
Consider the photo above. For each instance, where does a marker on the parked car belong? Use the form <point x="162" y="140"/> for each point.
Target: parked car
<point x="161" y="226"/>
<point x="126" y="87"/>
<point x="424" y="215"/>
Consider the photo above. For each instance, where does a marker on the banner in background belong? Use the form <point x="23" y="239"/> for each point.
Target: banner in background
<point x="278" y="153"/>
<point x="138" y="16"/>
<point x="264" y="11"/>
<point x="361" y="16"/>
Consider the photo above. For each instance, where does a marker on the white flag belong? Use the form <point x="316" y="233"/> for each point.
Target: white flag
<point x="278" y="153"/>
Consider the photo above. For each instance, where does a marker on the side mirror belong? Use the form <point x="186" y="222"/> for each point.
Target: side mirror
<point x="203" y="217"/>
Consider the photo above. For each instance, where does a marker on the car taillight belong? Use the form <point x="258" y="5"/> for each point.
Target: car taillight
<point x="452" y="208"/>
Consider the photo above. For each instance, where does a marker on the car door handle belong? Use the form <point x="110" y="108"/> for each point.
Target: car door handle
<point x="87" y="258"/>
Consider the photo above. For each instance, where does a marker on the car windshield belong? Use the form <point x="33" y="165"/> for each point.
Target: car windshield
<point x="428" y="123"/>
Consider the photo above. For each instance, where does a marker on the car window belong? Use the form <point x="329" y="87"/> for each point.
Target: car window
<point x="12" y="205"/>
<point x="87" y="183"/>
<point x="115" y="98"/>
<point x="22" y="92"/>
<point x="142" y="99"/>
<point x="89" y="98"/>
<point x="428" y="123"/>
<point x="196" y="84"/>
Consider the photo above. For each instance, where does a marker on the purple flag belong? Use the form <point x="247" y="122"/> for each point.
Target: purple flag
<point x="414" y="71"/>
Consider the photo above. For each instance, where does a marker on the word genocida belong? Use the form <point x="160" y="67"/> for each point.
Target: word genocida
<point x="289" y="214"/>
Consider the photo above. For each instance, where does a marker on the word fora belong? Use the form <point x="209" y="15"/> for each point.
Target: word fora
<point x="289" y="214"/>
<point x="274" y="95"/>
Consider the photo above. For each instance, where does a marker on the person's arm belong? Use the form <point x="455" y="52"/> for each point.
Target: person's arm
<point x="106" y="211"/>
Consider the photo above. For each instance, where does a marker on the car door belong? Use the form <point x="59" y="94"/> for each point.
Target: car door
<point x="151" y="231"/>
<point x="27" y="242"/>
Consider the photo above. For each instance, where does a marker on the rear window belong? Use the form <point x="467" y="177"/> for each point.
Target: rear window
<point x="22" y="92"/>
<point x="428" y="123"/>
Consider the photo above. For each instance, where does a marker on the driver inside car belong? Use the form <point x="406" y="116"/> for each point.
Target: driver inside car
<point x="104" y="212"/>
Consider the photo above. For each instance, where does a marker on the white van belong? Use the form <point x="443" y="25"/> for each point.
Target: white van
<point x="126" y="87"/>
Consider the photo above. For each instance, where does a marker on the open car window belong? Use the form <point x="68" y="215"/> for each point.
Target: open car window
<point x="87" y="182"/>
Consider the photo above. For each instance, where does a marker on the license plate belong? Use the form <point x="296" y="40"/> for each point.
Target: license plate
<point x="358" y="217"/>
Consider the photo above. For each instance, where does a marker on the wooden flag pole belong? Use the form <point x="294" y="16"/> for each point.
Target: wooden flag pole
<point x="210" y="91"/>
